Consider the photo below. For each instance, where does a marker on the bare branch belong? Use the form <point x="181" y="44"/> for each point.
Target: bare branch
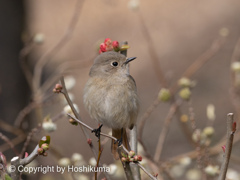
<point x="164" y="131"/>
<point x="231" y="128"/>
<point x="113" y="138"/>
<point x="8" y="141"/>
<point x="16" y="162"/>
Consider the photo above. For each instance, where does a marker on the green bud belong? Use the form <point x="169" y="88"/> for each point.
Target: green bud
<point x="40" y="151"/>
<point x="208" y="131"/>
<point x="45" y="146"/>
<point x="164" y="95"/>
<point x="123" y="154"/>
<point x="131" y="154"/>
<point x="124" y="159"/>
<point x="185" y="93"/>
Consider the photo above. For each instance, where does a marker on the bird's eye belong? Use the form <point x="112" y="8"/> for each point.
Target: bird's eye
<point x="114" y="63"/>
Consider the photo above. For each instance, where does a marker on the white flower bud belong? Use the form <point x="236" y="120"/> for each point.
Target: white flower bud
<point x="70" y="82"/>
<point x="193" y="174"/>
<point x="212" y="170"/>
<point x="208" y="131"/>
<point x="196" y="136"/>
<point x="49" y="126"/>
<point x="77" y="157"/>
<point x="82" y="177"/>
<point x="185" y="161"/>
<point x="177" y="171"/>
<point x="39" y="38"/>
<point x="211" y="112"/>
<point x="133" y="5"/>
<point x="64" y="162"/>
<point x="67" y="109"/>
<point x="92" y="161"/>
<point x="235" y="66"/>
<point x="232" y="175"/>
<point x="184" y="82"/>
<point x="113" y="169"/>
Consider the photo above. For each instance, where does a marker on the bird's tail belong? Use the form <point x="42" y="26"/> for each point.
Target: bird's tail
<point x="117" y="133"/>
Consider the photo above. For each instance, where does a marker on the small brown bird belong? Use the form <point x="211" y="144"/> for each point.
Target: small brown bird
<point x="110" y="95"/>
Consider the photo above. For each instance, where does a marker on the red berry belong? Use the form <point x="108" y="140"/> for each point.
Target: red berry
<point x="107" y="41"/>
<point x="115" y="44"/>
<point x="103" y="47"/>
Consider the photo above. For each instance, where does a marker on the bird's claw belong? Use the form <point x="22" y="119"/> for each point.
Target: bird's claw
<point x="119" y="141"/>
<point x="97" y="131"/>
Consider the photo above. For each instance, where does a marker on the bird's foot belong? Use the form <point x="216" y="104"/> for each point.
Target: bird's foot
<point x="119" y="141"/>
<point x="97" y="131"/>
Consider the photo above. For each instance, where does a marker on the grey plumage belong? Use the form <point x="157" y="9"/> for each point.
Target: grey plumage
<point x="110" y="95"/>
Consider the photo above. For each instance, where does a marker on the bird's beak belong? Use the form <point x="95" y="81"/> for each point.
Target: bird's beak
<point x="129" y="60"/>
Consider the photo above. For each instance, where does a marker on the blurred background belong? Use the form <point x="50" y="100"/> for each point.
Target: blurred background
<point x="41" y="40"/>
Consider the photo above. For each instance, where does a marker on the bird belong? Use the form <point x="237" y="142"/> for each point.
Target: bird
<point x="110" y="96"/>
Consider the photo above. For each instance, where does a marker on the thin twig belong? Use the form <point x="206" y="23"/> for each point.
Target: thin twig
<point x="29" y="108"/>
<point x="146" y="116"/>
<point x="164" y="131"/>
<point x="99" y="155"/>
<point x="9" y="142"/>
<point x="25" y="111"/>
<point x="231" y="128"/>
<point x="65" y="93"/>
<point x="29" y="137"/>
<point x="22" y="59"/>
<point x="9" y="128"/>
<point x="36" y="130"/>
<point x="15" y="141"/>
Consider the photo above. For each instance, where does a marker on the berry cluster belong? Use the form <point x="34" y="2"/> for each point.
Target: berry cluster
<point x="109" y="45"/>
<point x="131" y="157"/>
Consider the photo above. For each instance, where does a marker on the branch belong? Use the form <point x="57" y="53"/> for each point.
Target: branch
<point x="16" y="162"/>
<point x="231" y="128"/>
<point x="133" y="145"/>
<point x="113" y="138"/>
<point x="126" y="165"/>
<point x="5" y="138"/>
<point x="164" y="131"/>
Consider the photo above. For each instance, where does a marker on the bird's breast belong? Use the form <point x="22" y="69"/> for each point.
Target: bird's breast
<point x="113" y="103"/>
